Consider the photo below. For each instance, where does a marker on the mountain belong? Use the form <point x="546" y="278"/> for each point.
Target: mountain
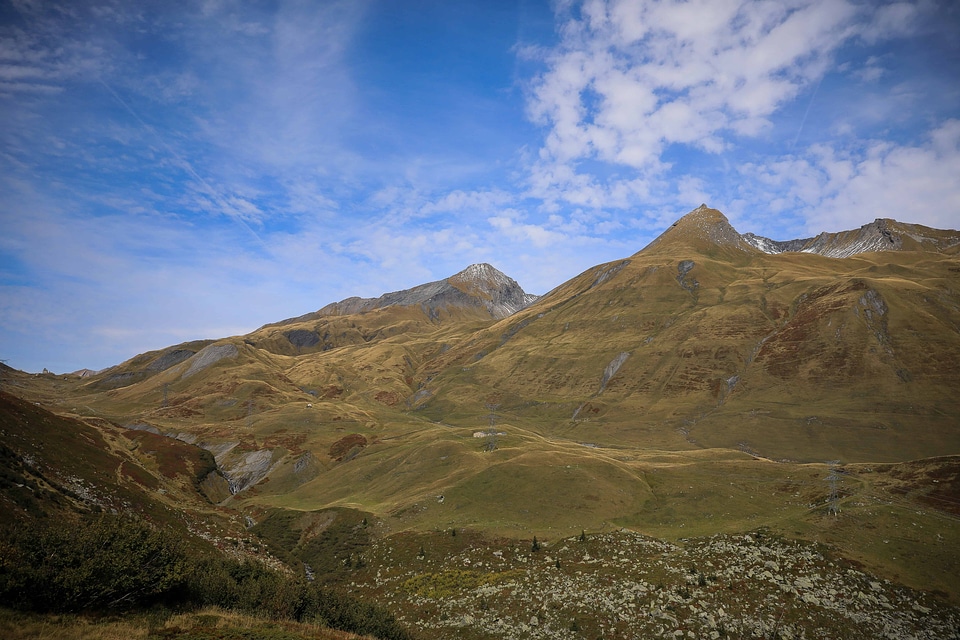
<point x="479" y="293"/>
<point x="882" y="234"/>
<point x="697" y="387"/>
<point x="705" y="226"/>
<point x="698" y="340"/>
<point x="701" y="340"/>
<point x="479" y="286"/>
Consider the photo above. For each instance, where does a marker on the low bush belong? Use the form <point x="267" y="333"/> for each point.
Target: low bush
<point x="102" y="562"/>
<point x="110" y="563"/>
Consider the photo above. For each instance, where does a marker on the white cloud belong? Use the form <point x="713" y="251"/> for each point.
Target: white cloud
<point x="631" y="79"/>
<point x="871" y="71"/>
<point x="908" y="183"/>
<point x="509" y="225"/>
<point x="838" y="189"/>
<point x="895" y="19"/>
<point x="459" y="201"/>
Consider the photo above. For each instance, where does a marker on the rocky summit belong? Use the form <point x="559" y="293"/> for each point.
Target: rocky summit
<point x="720" y="435"/>
<point x="479" y="286"/>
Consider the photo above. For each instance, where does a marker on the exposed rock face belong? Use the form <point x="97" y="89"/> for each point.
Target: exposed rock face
<point x="241" y="469"/>
<point x="302" y="338"/>
<point x="118" y="380"/>
<point x="169" y="359"/>
<point x="477" y="286"/>
<point x="612" y="368"/>
<point x="775" y="246"/>
<point x="246" y="469"/>
<point x="210" y="355"/>
<point x="880" y="235"/>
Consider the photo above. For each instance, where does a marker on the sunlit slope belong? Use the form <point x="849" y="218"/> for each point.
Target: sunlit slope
<point x="701" y="340"/>
<point x="350" y="358"/>
<point x="438" y="476"/>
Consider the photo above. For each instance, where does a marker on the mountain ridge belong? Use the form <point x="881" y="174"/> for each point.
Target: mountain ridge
<point x="478" y="286"/>
<point x="708" y="226"/>
<point x="483" y="292"/>
<point x="883" y="234"/>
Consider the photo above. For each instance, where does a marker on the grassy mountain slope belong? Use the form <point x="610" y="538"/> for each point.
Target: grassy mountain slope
<point x="694" y="343"/>
<point x="694" y="388"/>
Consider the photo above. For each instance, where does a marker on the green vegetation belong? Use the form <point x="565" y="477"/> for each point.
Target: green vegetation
<point x="331" y="542"/>
<point x="104" y="562"/>
<point x="452" y="582"/>
<point x="114" y="563"/>
<point x="202" y="624"/>
<point x="22" y="485"/>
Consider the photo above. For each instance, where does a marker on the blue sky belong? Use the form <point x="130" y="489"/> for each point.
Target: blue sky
<point x="180" y="170"/>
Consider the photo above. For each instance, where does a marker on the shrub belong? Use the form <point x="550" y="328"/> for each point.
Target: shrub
<point x="104" y="562"/>
<point x="108" y="562"/>
<point x="252" y="588"/>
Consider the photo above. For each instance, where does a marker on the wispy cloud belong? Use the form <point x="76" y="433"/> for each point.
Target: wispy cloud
<point x="631" y="79"/>
<point x="645" y="104"/>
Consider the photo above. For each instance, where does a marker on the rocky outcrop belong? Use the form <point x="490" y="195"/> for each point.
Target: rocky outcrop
<point x="302" y="338"/>
<point x="169" y="359"/>
<point x="612" y="368"/>
<point x="210" y="355"/>
<point x="241" y="468"/>
<point x="626" y="585"/>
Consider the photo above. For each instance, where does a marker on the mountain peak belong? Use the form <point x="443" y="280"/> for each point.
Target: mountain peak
<point x="501" y="294"/>
<point x="479" y="272"/>
<point x="700" y="228"/>
<point x="478" y="286"/>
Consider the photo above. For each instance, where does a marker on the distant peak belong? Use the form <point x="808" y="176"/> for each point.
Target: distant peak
<point x="478" y="285"/>
<point x="479" y="271"/>
<point x="501" y="294"/>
